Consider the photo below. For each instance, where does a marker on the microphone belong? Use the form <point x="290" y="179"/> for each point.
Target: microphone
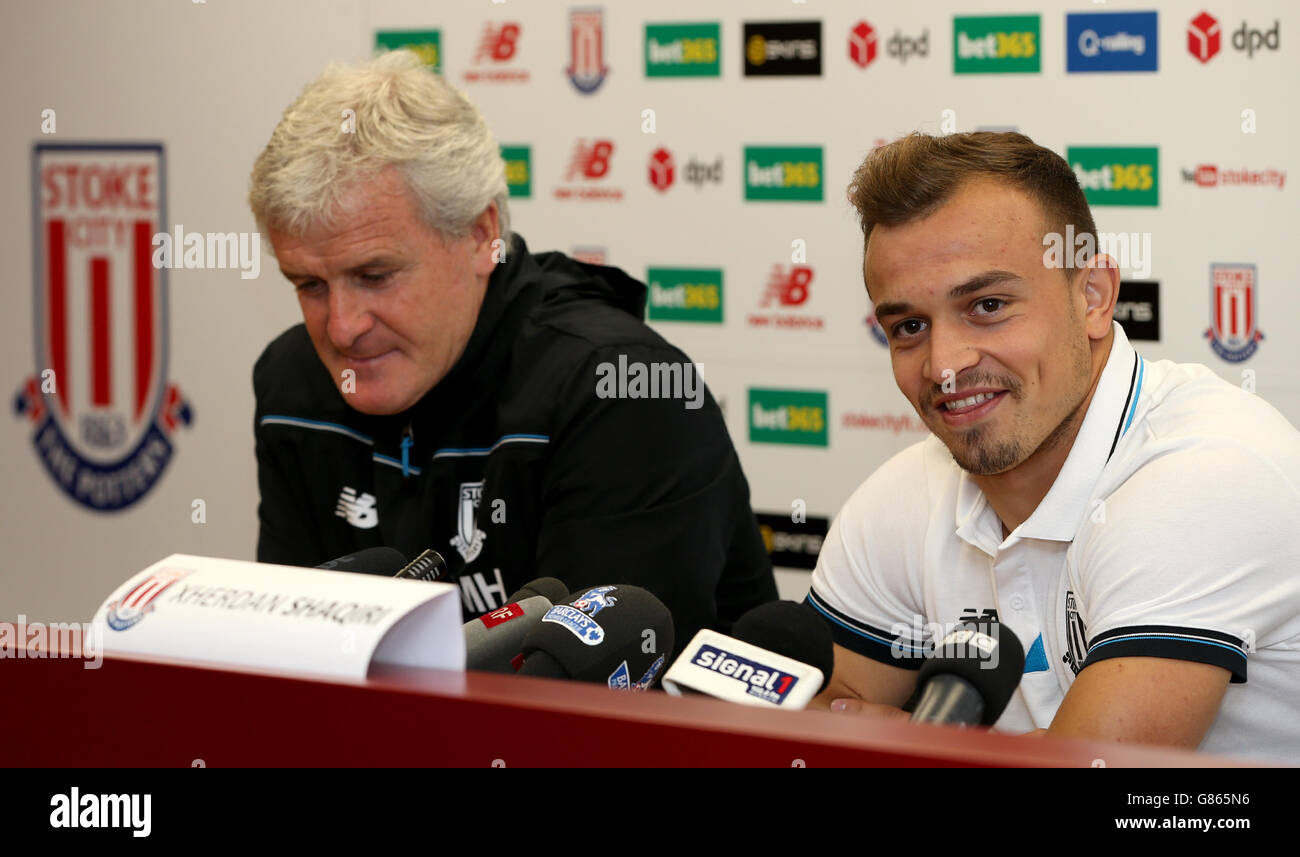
<point x="382" y="561"/>
<point x="781" y="657"/>
<point x="493" y="641"/>
<point x="618" y="636"/>
<point x="552" y="588"/>
<point x="427" y="566"/>
<point x="971" y="676"/>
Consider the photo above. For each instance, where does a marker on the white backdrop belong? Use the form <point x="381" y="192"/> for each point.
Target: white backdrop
<point x="209" y="81"/>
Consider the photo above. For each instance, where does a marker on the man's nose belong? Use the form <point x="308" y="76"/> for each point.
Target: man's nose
<point x="349" y="316"/>
<point x="951" y="353"/>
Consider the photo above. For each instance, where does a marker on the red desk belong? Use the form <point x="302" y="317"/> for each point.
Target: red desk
<point x="154" y="713"/>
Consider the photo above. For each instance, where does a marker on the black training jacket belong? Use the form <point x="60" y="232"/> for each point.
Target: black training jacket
<point x="515" y="467"/>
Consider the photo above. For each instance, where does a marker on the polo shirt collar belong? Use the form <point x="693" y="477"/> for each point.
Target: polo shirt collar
<point x="1059" y="514"/>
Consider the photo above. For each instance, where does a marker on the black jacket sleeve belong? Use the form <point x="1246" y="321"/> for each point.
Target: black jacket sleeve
<point x="286" y="533"/>
<point x="650" y="492"/>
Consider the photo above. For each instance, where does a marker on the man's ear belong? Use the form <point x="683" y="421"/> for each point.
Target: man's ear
<point x="1100" y="292"/>
<point x="489" y="247"/>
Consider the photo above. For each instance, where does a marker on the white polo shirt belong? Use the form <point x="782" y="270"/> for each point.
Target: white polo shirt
<point x="1172" y="530"/>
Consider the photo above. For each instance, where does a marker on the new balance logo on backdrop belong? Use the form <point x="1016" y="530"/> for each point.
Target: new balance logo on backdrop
<point x="497" y="47"/>
<point x="359" y="511"/>
<point x="590" y="164"/>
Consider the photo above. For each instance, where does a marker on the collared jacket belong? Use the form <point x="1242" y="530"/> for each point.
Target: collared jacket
<point x="533" y="456"/>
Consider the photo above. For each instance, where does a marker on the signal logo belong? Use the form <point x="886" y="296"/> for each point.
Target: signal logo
<point x="767" y="683"/>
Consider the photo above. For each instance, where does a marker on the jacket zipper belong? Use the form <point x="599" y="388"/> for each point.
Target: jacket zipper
<point x="408" y="440"/>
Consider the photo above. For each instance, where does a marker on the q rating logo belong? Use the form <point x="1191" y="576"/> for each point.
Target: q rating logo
<point x="102" y="410"/>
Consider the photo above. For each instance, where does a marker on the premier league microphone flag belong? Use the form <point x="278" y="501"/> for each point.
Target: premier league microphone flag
<point x="249" y="614"/>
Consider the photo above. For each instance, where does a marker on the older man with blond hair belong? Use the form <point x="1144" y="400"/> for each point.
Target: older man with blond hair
<point x="445" y="387"/>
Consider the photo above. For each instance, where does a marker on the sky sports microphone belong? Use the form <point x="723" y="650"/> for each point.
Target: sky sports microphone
<point x="385" y="562"/>
<point x="781" y="657"/>
<point x="618" y="636"/>
<point x="971" y="676"/>
<point x="493" y="641"/>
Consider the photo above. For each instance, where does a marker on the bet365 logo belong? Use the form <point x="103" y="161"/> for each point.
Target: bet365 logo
<point x="519" y="170"/>
<point x="685" y="294"/>
<point x="996" y="43"/>
<point x="792" y="173"/>
<point x="682" y="50"/>
<point x="426" y="44"/>
<point x="1127" y="175"/>
<point x="788" y="416"/>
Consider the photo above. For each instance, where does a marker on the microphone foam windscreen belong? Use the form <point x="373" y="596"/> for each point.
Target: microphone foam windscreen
<point x="792" y="629"/>
<point x="552" y="589"/>
<point x="994" y="670"/>
<point x="620" y="636"/>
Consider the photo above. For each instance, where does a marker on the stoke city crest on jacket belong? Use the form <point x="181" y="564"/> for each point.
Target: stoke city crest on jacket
<point x="468" y="540"/>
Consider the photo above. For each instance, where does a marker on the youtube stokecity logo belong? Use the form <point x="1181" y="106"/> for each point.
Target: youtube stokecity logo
<point x="1205" y="38"/>
<point x="863" y="45"/>
<point x="1209" y="175"/>
<point x="590" y="163"/>
<point x="663" y="172"/>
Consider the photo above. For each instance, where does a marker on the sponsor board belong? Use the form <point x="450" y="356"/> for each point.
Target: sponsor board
<point x="797" y="417"/>
<point x="426" y="44"/>
<point x="1112" y="42"/>
<point x="685" y="294"/>
<point x="1138" y="309"/>
<point x="783" y="173"/>
<point x="791" y="544"/>
<point x="683" y="50"/>
<point x="996" y="44"/>
<point x="782" y="48"/>
<point x="1117" y="175"/>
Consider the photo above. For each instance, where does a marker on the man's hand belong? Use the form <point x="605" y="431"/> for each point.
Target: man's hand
<point x="865" y="686"/>
<point x="868" y="709"/>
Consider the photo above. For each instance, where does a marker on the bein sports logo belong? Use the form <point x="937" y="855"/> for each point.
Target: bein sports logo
<point x="139" y="601"/>
<point x="767" y="683"/>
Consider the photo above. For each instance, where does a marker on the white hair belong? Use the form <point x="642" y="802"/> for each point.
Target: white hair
<point x="353" y="121"/>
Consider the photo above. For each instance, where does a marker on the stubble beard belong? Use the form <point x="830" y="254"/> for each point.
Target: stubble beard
<point x="978" y="454"/>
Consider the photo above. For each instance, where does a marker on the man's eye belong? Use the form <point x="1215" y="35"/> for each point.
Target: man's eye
<point x="306" y="285"/>
<point x="907" y="328"/>
<point x="990" y="305"/>
<point x="376" y="278"/>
